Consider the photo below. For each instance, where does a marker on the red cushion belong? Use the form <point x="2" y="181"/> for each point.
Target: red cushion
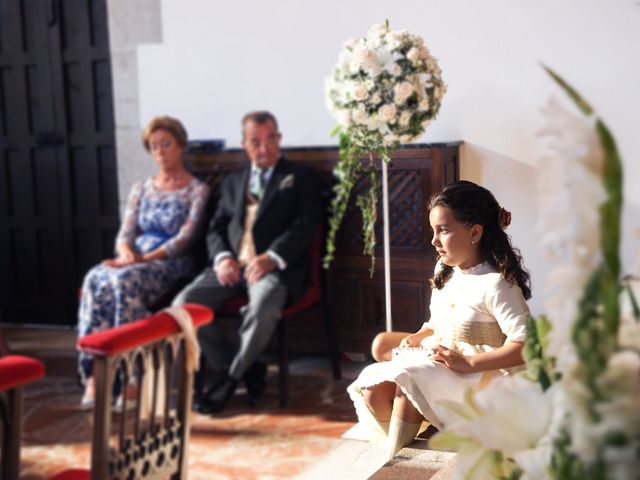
<point x="75" y="474"/>
<point x="310" y="298"/>
<point x="139" y="333"/>
<point x="16" y="370"/>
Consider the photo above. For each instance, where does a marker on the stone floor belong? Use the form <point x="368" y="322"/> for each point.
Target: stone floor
<point x="303" y="440"/>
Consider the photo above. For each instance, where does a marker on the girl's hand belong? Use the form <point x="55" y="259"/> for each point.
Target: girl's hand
<point x="452" y="359"/>
<point x="412" y="340"/>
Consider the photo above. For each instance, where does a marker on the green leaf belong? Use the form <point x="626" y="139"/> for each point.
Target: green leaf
<point x="575" y="96"/>
<point x="540" y="366"/>
<point x="611" y="209"/>
<point x="635" y="309"/>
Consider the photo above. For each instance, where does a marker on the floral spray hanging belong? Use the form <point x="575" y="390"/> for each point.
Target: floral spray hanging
<point x="385" y="89"/>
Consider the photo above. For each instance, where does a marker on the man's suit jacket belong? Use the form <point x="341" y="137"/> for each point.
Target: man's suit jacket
<point x="288" y="216"/>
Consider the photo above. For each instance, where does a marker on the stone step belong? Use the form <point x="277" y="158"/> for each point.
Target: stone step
<point x="416" y="463"/>
<point x="360" y="460"/>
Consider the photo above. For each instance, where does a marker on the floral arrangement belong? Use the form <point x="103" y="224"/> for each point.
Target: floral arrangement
<point x="575" y="413"/>
<point x="385" y="89"/>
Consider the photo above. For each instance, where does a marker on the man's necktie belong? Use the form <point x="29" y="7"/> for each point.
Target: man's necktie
<point x="257" y="183"/>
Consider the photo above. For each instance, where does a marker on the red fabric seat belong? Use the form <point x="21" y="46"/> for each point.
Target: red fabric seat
<point x="16" y="370"/>
<point x="141" y="332"/>
<point x="76" y="474"/>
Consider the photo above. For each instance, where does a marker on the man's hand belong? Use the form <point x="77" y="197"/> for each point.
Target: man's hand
<point x="258" y="268"/>
<point x="228" y="272"/>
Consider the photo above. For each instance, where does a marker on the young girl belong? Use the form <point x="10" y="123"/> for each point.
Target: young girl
<point x="477" y="326"/>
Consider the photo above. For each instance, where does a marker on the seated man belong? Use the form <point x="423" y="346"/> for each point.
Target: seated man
<point x="258" y="241"/>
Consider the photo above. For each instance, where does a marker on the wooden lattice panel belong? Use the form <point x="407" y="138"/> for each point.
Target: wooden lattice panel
<point x="406" y="204"/>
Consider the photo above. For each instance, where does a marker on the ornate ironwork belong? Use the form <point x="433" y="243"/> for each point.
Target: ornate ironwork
<point x="147" y="441"/>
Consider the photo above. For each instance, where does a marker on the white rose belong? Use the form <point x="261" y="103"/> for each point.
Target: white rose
<point x="354" y="66"/>
<point x="402" y="91"/>
<point x="375" y="99"/>
<point x="366" y="59"/>
<point x="360" y="92"/>
<point x="363" y="54"/>
<point x="394" y="39"/>
<point x="387" y="112"/>
<point x="344" y="59"/>
<point x="424" y="104"/>
<point x="389" y="139"/>
<point x="376" y="29"/>
<point x="413" y="55"/>
<point x="375" y="36"/>
<point x="396" y="70"/>
<point x="350" y="44"/>
<point x="360" y="116"/>
<point x="405" y="117"/>
<point x="344" y="118"/>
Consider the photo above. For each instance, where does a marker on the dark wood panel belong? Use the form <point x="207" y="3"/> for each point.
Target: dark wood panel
<point x="357" y="299"/>
<point x="59" y="210"/>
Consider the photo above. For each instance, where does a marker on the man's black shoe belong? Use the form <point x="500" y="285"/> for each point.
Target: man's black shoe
<point x="255" y="379"/>
<point x="219" y="398"/>
<point x="199" y="395"/>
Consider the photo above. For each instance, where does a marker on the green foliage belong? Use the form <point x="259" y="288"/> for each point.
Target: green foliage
<point x="357" y="153"/>
<point x="580" y="102"/>
<point x="595" y="330"/>
<point x="540" y="366"/>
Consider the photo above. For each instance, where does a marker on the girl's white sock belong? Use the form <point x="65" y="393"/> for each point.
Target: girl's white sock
<point x="401" y="433"/>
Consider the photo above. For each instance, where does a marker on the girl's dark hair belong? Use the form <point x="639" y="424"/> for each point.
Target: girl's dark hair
<point x="472" y="204"/>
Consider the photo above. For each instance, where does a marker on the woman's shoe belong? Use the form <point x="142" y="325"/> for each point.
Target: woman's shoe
<point x="132" y="395"/>
<point x="118" y="407"/>
<point x="87" y="402"/>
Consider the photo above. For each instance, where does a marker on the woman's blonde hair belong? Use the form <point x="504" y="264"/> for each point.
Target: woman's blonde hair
<point x="165" y="122"/>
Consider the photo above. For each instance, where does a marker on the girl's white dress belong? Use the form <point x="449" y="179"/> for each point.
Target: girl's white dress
<point x="476" y="311"/>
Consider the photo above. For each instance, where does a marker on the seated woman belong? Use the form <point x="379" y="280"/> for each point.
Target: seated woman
<point x="477" y="327"/>
<point x="161" y="220"/>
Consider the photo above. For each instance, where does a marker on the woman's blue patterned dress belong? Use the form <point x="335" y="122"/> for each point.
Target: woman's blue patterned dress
<point x="153" y="218"/>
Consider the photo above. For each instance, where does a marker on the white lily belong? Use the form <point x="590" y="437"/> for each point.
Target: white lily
<point x="569" y="181"/>
<point x="499" y="418"/>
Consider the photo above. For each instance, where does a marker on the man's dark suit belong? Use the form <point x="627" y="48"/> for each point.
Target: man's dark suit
<point x="286" y="220"/>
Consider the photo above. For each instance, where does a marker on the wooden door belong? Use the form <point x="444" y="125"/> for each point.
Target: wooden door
<point x="58" y="180"/>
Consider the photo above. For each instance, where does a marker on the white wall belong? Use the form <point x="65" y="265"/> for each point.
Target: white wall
<point x="217" y="60"/>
